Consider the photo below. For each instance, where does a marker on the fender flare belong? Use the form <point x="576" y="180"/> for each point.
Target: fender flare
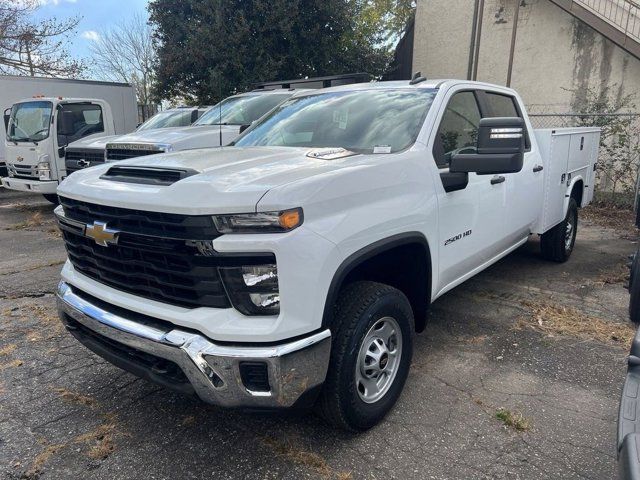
<point x="567" y="195"/>
<point x="365" y="253"/>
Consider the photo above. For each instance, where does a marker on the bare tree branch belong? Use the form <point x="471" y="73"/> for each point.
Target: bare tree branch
<point x="35" y="48"/>
<point x="125" y="53"/>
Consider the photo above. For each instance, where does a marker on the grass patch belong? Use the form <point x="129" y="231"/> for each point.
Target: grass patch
<point x="292" y="453"/>
<point x="618" y="274"/>
<point x="514" y="420"/>
<point x="8" y="349"/>
<point x="35" y="220"/>
<point x="35" y="469"/>
<point x="11" y="364"/>
<point x="100" y="439"/>
<point x="77" y="398"/>
<point x="619" y="219"/>
<point x="559" y="320"/>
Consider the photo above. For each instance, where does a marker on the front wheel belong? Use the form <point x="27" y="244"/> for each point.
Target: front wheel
<point x="557" y="244"/>
<point x="370" y="356"/>
<point x="51" y="197"/>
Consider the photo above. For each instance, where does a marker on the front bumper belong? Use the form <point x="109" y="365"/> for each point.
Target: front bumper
<point x="188" y="361"/>
<point x="35" y="186"/>
<point x="629" y="417"/>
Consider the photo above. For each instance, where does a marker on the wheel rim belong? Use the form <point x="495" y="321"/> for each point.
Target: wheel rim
<point x="569" y="233"/>
<point x="378" y="359"/>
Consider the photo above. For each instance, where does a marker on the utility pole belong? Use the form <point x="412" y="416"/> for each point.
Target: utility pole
<point x="514" y="33"/>
<point x="476" y="54"/>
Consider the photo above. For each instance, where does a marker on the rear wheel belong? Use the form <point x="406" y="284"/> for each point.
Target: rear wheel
<point x="370" y="356"/>
<point x="557" y="244"/>
<point x="52" y="197"/>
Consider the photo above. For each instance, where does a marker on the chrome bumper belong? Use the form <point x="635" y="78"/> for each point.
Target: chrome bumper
<point x="212" y="370"/>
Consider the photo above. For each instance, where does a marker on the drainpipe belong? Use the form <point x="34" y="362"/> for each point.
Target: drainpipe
<point x="476" y="54"/>
<point x="514" y="32"/>
<point x="472" y="42"/>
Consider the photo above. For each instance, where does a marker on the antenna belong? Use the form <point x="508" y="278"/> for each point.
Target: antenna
<point x="220" y="108"/>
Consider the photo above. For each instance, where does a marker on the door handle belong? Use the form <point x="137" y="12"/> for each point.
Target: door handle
<point x="497" y="179"/>
<point x="537" y="168"/>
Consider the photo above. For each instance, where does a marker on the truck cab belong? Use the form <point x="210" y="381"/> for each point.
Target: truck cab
<point x="39" y="129"/>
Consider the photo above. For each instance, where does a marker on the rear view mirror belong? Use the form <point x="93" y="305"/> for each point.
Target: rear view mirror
<point x="7" y="116"/>
<point x="500" y="148"/>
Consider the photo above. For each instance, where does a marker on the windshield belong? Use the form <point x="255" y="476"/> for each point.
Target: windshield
<point x="174" y="118"/>
<point x="242" y="110"/>
<point x="29" y="121"/>
<point x="363" y="121"/>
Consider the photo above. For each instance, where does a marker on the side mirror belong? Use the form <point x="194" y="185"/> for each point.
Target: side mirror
<point x="500" y="148"/>
<point x="244" y="127"/>
<point x="7" y="116"/>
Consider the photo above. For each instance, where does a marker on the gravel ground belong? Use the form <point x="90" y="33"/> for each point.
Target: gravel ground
<point x="517" y="376"/>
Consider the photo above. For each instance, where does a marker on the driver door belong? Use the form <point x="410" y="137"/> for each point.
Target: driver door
<point x="471" y="219"/>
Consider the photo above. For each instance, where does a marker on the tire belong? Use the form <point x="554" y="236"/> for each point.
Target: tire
<point x="51" y="197"/>
<point x="557" y="244"/>
<point x="362" y="307"/>
<point x="634" y="290"/>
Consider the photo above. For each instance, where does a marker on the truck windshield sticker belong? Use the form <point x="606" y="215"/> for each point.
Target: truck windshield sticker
<point x="341" y="117"/>
<point x="382" y="149"/>
<point x="457" y="237"/>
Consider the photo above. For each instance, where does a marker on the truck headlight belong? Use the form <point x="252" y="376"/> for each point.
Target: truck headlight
<point x="253" y="290"/>
<point x="263" y="222"/>
<point x="44" y="171"/>
<point x="165" y="147"/>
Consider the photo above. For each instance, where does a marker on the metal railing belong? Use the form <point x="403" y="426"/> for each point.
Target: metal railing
<point x="623" y="14"/>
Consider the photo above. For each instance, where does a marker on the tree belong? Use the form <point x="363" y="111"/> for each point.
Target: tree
<point x="125" y="53"/>
<point x="208" y="49"/>
<point x="35" y="48"/>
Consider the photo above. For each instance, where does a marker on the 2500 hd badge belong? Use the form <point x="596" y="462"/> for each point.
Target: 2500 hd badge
<point x="457" y="237"/>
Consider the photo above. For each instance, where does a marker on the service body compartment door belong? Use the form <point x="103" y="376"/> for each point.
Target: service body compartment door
<point x="556" y="159"/>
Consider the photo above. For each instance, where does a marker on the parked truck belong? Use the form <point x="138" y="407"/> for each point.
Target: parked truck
<point x="294" y="267"/>
<point x="90" y="151"/>
<point x="120" y="96"/>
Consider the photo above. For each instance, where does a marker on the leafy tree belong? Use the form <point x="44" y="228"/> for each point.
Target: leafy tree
<point x="35" y="48"/>
<point x="208" y="49"/>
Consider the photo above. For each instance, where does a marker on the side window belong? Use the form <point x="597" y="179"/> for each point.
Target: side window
<point x="78" y="120"/>
<point x="504" y="106"/>
<point x="458" y="128"/>
<point x="501" y="105"/>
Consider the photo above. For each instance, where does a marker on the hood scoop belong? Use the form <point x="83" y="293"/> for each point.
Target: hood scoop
<point x="147" y="175"/>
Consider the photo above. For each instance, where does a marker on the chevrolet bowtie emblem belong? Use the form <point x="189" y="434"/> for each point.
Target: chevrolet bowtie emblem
<point x="19" y="158"/>
<point x="101" y="234"/>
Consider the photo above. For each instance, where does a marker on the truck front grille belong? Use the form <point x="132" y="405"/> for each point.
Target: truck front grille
<point x="79" y="158"/>
<point x="114" y="154"/>
<point x="155" y="257"/>
<point x="28" y="172"/>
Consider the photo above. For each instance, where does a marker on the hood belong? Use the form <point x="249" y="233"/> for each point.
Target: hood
<point x="180" y="138"/>
<point x="93" y="142"/>
<point x="225" y="180"/>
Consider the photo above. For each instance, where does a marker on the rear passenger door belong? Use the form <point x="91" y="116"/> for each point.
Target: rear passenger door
<point x="471" y="220"/>
<point x="523" y="189"/>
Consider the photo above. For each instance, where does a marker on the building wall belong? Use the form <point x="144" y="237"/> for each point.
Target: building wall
<point x="557" y="57"/>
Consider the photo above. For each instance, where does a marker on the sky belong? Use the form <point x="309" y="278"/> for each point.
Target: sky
<point x="95" y="16"/>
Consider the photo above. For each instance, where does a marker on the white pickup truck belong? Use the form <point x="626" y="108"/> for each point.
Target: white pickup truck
<point x="218" y="126"/>
<point x="295" y="267"/>
<point x="39" y="129"/>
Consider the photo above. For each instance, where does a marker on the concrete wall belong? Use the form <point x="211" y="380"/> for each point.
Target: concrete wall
<point x="557" y="57"/>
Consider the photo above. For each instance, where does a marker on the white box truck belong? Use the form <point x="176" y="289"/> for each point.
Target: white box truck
<point x="37" y="96"/>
